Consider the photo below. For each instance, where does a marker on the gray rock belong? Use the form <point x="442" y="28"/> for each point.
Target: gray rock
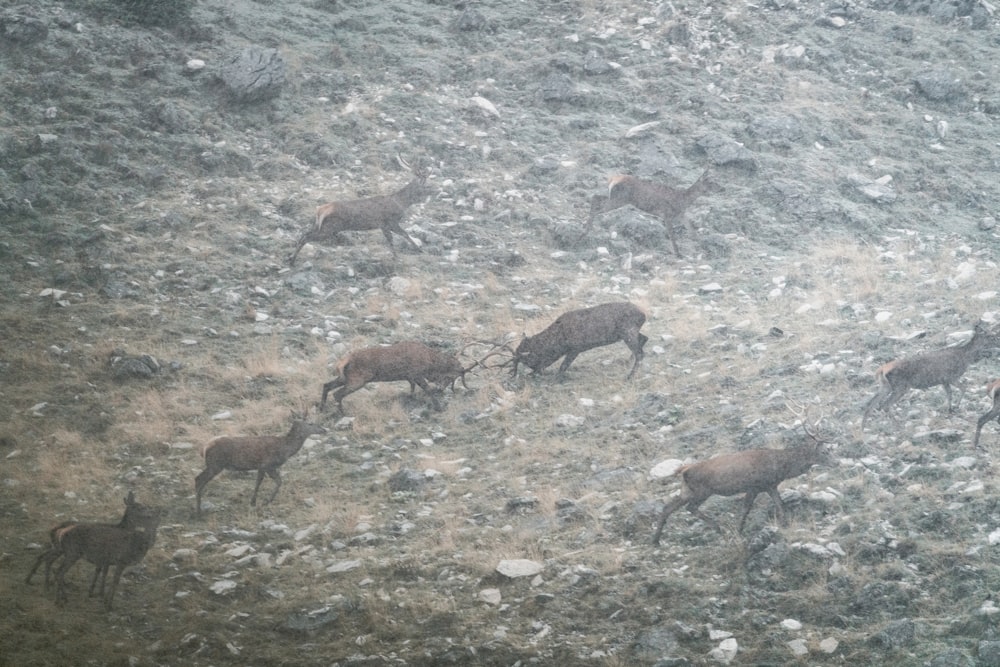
<point x="22" y="29"/>
<point x="896" y="635"/>
<point x="406" y="480"/>
<point x="951" y="657"/>
<point x="723" y="150"/>
<point x="255" y="74"/>
<point x="781" y="130"/>
<point x="989" y="653"/>
<point x="655" y="643"/>
<point x="557" y="87"/>
<point x="940" y="85"/>
<point x="311" y="621"/>
<point x="124" y="366"/>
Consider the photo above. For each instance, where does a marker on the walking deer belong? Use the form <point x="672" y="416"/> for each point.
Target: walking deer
<point x="928" y="369"/>
<point x="106" y="545"/>
<point x="134" y="513"/>
<point x="263" y="453"/>
<point x="752" y="471"/>
<point x="383" y="212"/>
<point x="663" y="201"/>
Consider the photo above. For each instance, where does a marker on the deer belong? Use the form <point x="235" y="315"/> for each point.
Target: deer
<point x="383" y="212"/>
<point x="928" y="369"/>
<point x="577" y="331"/>
<point x="751" y="472"/>
<point x="134" y="512"/>
<point x="411" y="361"/>
<point x="105" y="545"/>
<point x="263" y="453"/>
<point x="665" y="202"/>
<point x="993" y="391"/>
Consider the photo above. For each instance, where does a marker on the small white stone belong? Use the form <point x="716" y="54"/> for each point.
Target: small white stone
<point x="665" y="469"/>
<point x="829" y="645"/>
<point x="791" y="624"/>
<point x="490" y="596"/>
<point x="343" y="566"/>
<point x="194" y="65"/>
<point x="519" y="567"/>
<point x="798" y="647"/>
<point x="225" y="414"/>
<point x="222" y="586"/>
<point x="725" y="652"/>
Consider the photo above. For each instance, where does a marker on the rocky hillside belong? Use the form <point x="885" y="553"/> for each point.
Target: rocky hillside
<point x="159" y="162"/>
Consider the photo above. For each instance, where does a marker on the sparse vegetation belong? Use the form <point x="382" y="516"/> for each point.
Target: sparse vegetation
<point x="141" y="210"/>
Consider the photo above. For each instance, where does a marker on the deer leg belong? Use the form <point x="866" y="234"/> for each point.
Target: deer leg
<point x="747" y="504"/>
<point x="276" y="476"/>
<point x="427" y="389"/>
<point x="668" y="509"/>
<point x="891" y="400"/>
<point x="779" y="506"/>
<point x="395" y="227"/>
<point x="947" y="390"/>
<point x="670" y="232"/>
<point x="341" y="393"/>
<point x="567" y="360"/>
<point x="114" y="586"/>
<point x="994" y="413"/>
<point x="48" y="556"/>
<point x="327" y="388"/>
<point x="874" y="402"/>
<point x="99" y="571"/>
<point x="260" y="478"/>
<point x="203" y="478"/>
<point x="694" y="506"/>
<point x="68" y="562"/>
<point x="635" y="343"/>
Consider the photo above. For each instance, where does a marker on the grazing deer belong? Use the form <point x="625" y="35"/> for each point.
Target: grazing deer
<point x="134" y="512"/>
<point x="752" y="471"/>
<point x="577" y="331"/>
<point x="663" y="201"/>
<point x="928" y="369"/>
<point x="263" y="453"/>
<point x="383" y="212"/>
<point x="411" y="361"/>
<point x="993" y="391"/>
<point x="106" y="545"/>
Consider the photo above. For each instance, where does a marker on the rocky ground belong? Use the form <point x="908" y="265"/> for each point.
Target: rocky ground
<point x="158" y="162"/>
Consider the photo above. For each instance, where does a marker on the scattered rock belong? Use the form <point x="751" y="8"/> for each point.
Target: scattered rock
<point x="519" y="568"/>
<point x="254" y="74"/>
<point x="22" y="29"/>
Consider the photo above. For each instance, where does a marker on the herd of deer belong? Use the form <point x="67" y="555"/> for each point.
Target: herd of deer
<point x="750" y="472"/>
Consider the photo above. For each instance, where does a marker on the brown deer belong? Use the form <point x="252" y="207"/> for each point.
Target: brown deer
<point x="752" y="471"/>
<point x="577" y="331"/>
<point x="411" y="361"/>
<point x="993" y="391"/>
<point x="928" y="369"/>
<point x="263" y="453"/>
<point x="383" y="212"/>
<point x="663" y="201"/>
<point x="106" y="545"/>
<point x="134" y="512"/>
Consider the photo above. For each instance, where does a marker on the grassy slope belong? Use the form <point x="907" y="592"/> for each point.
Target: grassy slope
<point x="166" y="213"/>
